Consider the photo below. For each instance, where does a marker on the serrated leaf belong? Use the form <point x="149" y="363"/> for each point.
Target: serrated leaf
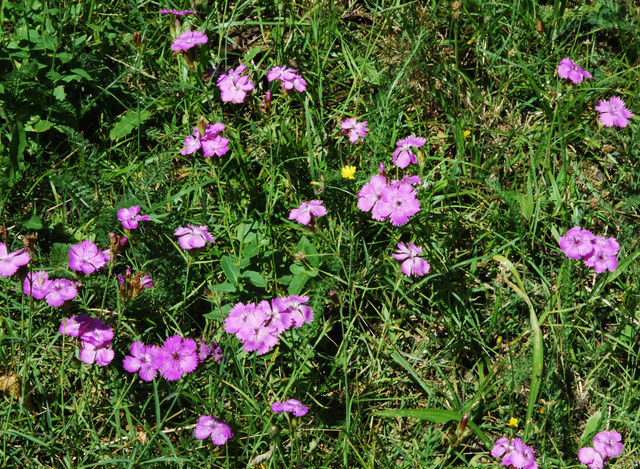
<point x="255" y="278"/>
<point x="59" y="93"/>
<point x="231" y="271"/>
<point x="129" y="121"/>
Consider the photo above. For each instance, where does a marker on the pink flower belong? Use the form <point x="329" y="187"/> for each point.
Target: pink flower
<point x="307" y="210"/>
<point x="604" y="255"/>
<point x="77" y="325"/>
<point x="354" y="129"/>
<point x="502" y="446"/>
<point x="11" y="262"/>
<point x="210" y="349"/>
<point x="591" y="458"/>
<point x="300" y="313"/>
<point x="608" y="444"/>
<point x="193" y="236"/>
<point x="412" y="263"/>
<point x="189" y="39"/>
<point x="613" y="112"/>
<point x="515" y="454"/>
<point x="577" y="243"/>
<point x="398" y="203"/>
<point x="176" y="357"/>
<point x="95" y="346"/>
<point x="289" y="77"/>
<point x="403" y="155"/>
<point x="569" y="69"/>
<point x="234" y="86"/>
<point x="192" y="143"/>
<point x="177" y="12"/>
<point x="130" y="217"/>
<point x="208" y="426"/>
<point x="141" y="360"/>
<point x="293" y="406"/>
<point x="36" y="284"/>
<point x="86" y="257"/>
<point x="61" y="290"/>
<point x="370" y="195"/>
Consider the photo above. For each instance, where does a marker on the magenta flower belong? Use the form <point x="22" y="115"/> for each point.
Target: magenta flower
<point x="262" y="339"/>
<point x="403" y="156"/>
<point x="176" y="357"/>
<point x="193" y="236"/>
<point x="515" y="454"/>
<point x="234" y="86"/>
<point x="577" y="243"/>
<point x="36" y="284"/>
<point x="11" y="262"/>
<point x="591" y="458"/>
<point x="354" y="129"/>
<point x="293" y="406"/>
<point x="604" y="255"/>
<point x="130" y="217"/>
<point x="501" y="447"/>
<point x="370" y="196"/>
<point x="210" y="349"/>
<point x="77" y="325"/>
<point x="300" y="313"/>
<point x="608" y="444"/>
<point x="568" y="69"/>
<point x="289" y="77"/>
<point x="208" y="426"/>
<point x="192" y="143"/>
<point x="188" y="39"/>
<point x="412" y="263"/>
<point x="61" y="290"/>
<point x="177" y="12"/>
<point x="141" y="360"/>
<point x="95" y="345"/>
<point x="86" y="257"/>
<point x="398" y="203"/>
<point x="307" y="211"/>
<point x="613" y="112"/>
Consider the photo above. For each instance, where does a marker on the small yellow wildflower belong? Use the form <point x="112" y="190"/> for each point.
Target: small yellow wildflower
<point x="348" y="172"/>
<point x="499" y="340"/>
<point x="513" y="422"/>
<point x="467" y="133"/>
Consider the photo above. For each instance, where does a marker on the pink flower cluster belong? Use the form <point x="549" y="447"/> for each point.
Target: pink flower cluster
<point x="86" y="257"/>
<point x="188" y="39"/>
<point x="308" y="211"/>
<point x="131" y="216"/>
<point x="514" y="453"/>
<point x="403" y="155"/>
<point x="412" y="263"/>
<point x="595" y="251"/>
<point x="259" y="326"/>
<point x="56" y="292"/>
<point x="212" y="143"/>
<point x="10" y="262"/>
<point x="192" y="237"/>
<point x="293" y="406"/>
<point x="569" y="70"/>
<point x="606" y="444"/>
<point x="95" y="335"/>
<point x="394" y="200"/>
<point x="216" y="429"/>
<point x="174" y="359"/>
<point x="234" y="86"/>
<point x="354" y="129"/>
<point x="290" y="78"/>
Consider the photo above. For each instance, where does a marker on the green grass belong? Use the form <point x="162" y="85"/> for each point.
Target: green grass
<point x="92" y="121"/>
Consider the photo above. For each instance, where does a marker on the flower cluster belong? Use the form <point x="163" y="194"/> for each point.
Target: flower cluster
<point x="403" y="156"/>
<point x="234" y="86"/>
<point x="613" y="112"/>
<point x="10" y="262"/>
<point x="55" y="292"/>
<point x="208" y="426"/>
<point x="569" y="70"/>
<point x="595" y="251"/>
<point x="177" y="357"/>
<point x="132" y="285"/>
<point x="308" y="211"/>
<point x="131" y="216"/>
<point x="412" y="263"/>
<point x="394" y="200"/>
<point x="293" y="406"/>
<point x="189" y="39"/>
<point x="354" y="129"/>
<point x="258" y="326"/>
<point x="606" y="444"/>
<point x="212" y="143"/>
<point x="514" y="453"/>
<point x="290" y="78"/>
<point x="95" y="335"/>
<point x="86" y="257"/>
<point x="191" y="236"/>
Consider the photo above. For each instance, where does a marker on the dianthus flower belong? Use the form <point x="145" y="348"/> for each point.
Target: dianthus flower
<point x="192" y="236"/>
<point x="606" y="444"/>
<point x="11" y="262"/>
<point x="208" y="426"/>
<point x="189" y="39"/>
<point x="300" y="313"/>
<point x="141" y="360"/>
<point x="86" y="257"/>
<point x="77" y="325"/>
<point x="95" y="345"/>
<point x="60" y="290"/>
<point x="176" y="357"/>
<point x="290" y="78"/>
<point x="398" y="203"/>
<point x="210" y="349"/>
<point x="177" y="12"/>
<point x="307" y="210"/>
<point x="403" y="156"/>
<point x="370" y="196"/>
<point x="604" y="255"/>
<point x="354" y="129"/>
<point x="131" y="216"/>
<point x="212" y="143"/>
<point x="234" y="86"/>
<point x="577" y="243"/>
<point x="514" y="453"/>
<point x="568" y="69"/>
<point x="293" y="406"/>
<point x="412" y="263"/>
<point x="36" y="284"/>
<point x="613" y="112"/>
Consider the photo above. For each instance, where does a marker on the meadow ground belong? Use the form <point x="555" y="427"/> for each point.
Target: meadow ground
<point x="99" y="113"/>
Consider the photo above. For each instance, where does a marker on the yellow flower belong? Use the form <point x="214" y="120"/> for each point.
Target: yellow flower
<point x="513" y="422"/>
<point x="348" y="172"/>
<point x="467" y="133"/>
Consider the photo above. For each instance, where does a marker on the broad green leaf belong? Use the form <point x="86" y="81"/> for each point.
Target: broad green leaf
<point x="255" y="278"/>
<point x="230" y="269"/>
<point x="129" y="121"/>
<point x="225" y="287"/>
<point x="250" y="250"/>
<point x="310" y="252"/>
<point x="590" y="427"/>
<point x="297" y="283"/>
<point x="59" y="93"/>
<point x="34" y="223"/>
